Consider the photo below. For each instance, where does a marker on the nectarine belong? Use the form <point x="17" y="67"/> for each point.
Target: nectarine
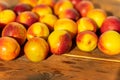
<point x="62" y="5"/>
<point x="109" y="42"/>
<point x="84" y="7"/>
<point x="33" y="3"/>
<point x="86" y="41"/>
<point x="86" y="23"/>
<point x="67" y="24"/>
<point x="42" y="9"/>
<point x="36" y="49"/>
<point x="7" y="16"/>
<point x="49" y="20"/>
<point x="27" y="18"/>
<point x="38" y="30"/>
<point x="21" y="7"/>
<point x="110" y="23"/>
<point x="98" y="15"/>
<point x="9" y="48"/>
<point x="69" y="13"/>
<point x="60" y="42"/>
<point x="50" y="3"/>
<point x="15" y="30"/>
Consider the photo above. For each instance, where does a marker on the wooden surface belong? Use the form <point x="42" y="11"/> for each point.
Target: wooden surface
<point x="75" y="65"/>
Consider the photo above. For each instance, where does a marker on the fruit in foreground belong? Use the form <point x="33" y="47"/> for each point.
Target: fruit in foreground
<point x="9" y="48"/>
<point x="109" y="43"/>
<point x="110" y="23"/>
<point x="36" y="49"/>
<point x="60" y="42"/>
<point x="16" y="31"/>
<point x="86" y="41"/>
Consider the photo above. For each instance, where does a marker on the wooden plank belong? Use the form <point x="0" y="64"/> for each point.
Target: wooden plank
<point x="58" y="68"/>
<point x="95" y="55"/>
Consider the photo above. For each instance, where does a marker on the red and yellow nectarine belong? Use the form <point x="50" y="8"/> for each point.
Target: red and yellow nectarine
<point x="9" y="48"/>
<point x="60" y="42"/>
<point x="86" y="41"/>
<point x="67" y="24"/>
<point x="38" y="30"/>
<point x="16" y="31"/>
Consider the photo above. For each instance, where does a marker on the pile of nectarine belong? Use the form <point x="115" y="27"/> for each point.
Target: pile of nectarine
<point x="46" y="27"/>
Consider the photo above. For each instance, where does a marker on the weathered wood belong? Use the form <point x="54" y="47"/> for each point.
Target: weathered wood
<point x="58" y="68"/>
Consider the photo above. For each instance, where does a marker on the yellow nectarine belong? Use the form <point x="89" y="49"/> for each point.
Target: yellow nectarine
<point x="7" y="16"/>
<point x="42" y="9"/>
<point x="62" y="5"/>
<point x="98" y="15"/>
<point x="38" y="30"/>
<point x="109" y="42"/>
<point x="66" y="24"/>
<point x="49" y="20"/>
<point x="9" y="48"/>
<point x="36" y="49"/>
<point x="86" y="23"/>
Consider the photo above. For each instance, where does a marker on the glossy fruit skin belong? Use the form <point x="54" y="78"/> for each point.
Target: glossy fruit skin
<point x="109" y="42"/>
<point x="6" y="16"/>
<point x="27" y="18"/>
<point x="38" y="30"/>
<point x="67" y="24"/>
<point x="15" y="30"/>
<point x="84" y="7"/>
<point x="86" y="23"/>
<point x="9" y="48"/>
<point x="60" y="42"/>
<point x="98" y="15"/>
<point x="111" y="23"/>
<point x="86" y="41"/>
<point x="21" y="8"/>
<point x="36" y="49"/>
